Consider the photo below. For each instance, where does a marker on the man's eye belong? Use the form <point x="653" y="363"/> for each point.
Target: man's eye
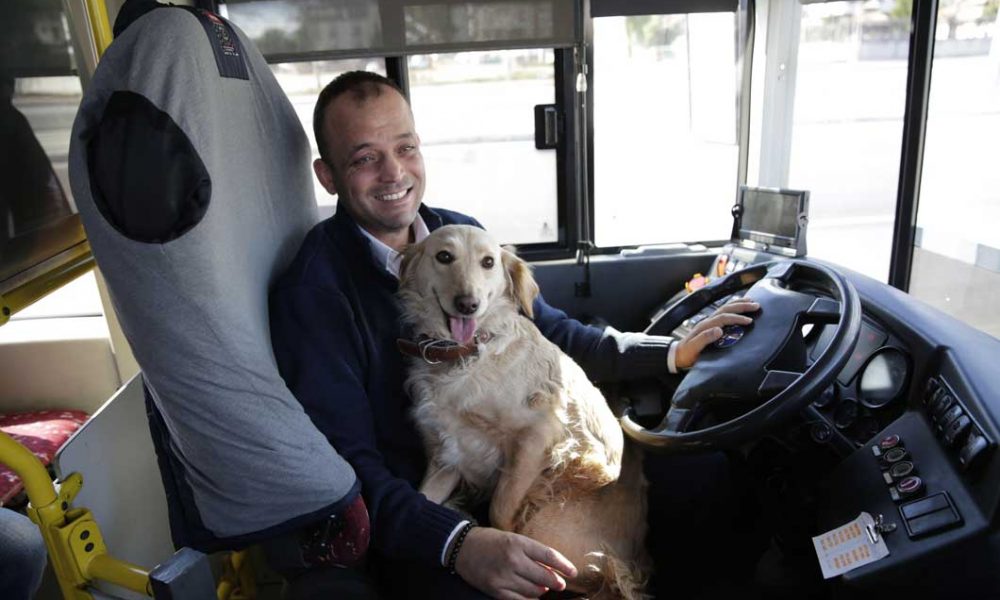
<point x="487" y="262"/>
<point x="444" y="257"/>
<point x="407" y="149"/>
<point x="362" y="160"/>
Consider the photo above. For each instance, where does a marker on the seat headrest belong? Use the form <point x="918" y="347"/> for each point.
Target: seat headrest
<point x="191" y="172"/>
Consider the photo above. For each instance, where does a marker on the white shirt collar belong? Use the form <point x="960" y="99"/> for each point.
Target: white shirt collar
<point x="386" y="256"/>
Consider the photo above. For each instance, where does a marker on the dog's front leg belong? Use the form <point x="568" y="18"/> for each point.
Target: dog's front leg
<point x="439" y="483"/>
<point x="527" y="457"/>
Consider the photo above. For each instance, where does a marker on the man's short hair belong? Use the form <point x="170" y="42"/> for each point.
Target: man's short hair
<point x="362" y="85"/>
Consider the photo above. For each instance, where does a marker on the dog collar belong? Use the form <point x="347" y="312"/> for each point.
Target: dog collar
<point x="435" y="351"/>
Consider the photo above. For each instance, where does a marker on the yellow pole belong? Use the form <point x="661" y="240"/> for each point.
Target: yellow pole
<point x="121" y="573"/>
<point x="31" y="470"/>
<point x="97" y="10"/>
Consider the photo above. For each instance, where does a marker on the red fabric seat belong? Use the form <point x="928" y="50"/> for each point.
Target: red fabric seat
<point x="43" y="432"/>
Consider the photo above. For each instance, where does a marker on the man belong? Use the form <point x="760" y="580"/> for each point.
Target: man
<point x="335" y="322"/>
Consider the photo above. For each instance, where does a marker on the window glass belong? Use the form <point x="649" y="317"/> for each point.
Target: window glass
<point x="956" y="263"/>
<point x="850" y="93"/>
<point x="665" y="128"/>
<point x="474" y="112"/>
<point x="302" y="83"/>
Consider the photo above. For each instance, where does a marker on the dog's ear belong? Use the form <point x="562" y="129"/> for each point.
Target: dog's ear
<point x="411" y="256"/>
<point x="520" y="283"/>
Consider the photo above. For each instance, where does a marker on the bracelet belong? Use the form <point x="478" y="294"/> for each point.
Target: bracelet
<point x="457" y="545"/>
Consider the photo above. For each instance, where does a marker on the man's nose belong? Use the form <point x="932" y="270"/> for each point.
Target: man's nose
<point x="466" y="304"/>
<point x="392" y="168"/>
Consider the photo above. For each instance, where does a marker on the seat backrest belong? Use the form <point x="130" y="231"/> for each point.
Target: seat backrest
<point x="191" y="172"/>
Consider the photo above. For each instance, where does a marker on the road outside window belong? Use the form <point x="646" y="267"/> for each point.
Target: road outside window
<point x="956" y="264"/>
<point x="475" y="115"/>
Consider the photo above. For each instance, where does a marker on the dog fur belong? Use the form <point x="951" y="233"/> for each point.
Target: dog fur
<point x="519" y="423"/>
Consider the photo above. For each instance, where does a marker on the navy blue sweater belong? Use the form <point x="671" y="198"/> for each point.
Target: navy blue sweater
<point x="334" y="325"/>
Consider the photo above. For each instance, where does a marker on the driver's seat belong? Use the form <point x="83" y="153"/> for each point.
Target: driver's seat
<point x="191" y="173"/>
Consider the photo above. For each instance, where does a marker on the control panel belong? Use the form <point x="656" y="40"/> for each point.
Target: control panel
<point x="954" y="425"/>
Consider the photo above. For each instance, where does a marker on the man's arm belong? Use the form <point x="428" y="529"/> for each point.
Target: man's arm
<point x="610" y="355"/>
<point x="319" y="353"/>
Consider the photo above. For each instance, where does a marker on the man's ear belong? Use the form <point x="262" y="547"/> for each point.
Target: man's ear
<point x="520" y="283"/>
<point x="411" y="256"/>
<point x="325" y="175"/>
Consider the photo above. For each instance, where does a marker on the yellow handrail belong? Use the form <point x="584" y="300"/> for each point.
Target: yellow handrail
<point x="97" y="10"/>
<point x="74" y="542"/>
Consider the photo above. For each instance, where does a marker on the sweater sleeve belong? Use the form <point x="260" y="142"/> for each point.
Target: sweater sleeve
<point x="321" y="357"/>
<point x="605" y="354"/>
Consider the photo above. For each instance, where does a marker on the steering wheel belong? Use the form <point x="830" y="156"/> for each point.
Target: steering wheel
<point x="764" y="366"/>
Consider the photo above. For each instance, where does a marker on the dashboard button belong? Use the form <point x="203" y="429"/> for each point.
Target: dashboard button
<point x="912" y="510"/>
<point x="974" y="447"/>
<point x="895" y="455"/>
<point x="901" y="469"/>
<point x="909" y="487"/>
<point x="956" y="429"/>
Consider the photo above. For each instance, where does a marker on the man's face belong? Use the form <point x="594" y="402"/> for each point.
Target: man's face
<point x="375" y="162"/>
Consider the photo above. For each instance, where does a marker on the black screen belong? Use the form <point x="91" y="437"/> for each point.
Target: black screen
<point x="770" y="213"/>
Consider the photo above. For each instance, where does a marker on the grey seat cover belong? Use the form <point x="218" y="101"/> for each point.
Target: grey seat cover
<point x="194" y="308"/>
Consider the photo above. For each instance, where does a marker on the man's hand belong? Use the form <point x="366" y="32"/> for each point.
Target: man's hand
<point x="511" y="566"/>
<point x="710" y="330"/>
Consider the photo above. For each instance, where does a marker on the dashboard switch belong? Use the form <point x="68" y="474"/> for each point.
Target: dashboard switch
<point x="912" y="510"/>
<point x="956" y="429"/>
<point x="940" y="405"/>
<point x="973" y="448"/>
<point x="950" y="415"/>
<point x="932" y="522"/>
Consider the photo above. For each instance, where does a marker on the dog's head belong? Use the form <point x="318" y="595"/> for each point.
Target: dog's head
<point x="459" y="280"/>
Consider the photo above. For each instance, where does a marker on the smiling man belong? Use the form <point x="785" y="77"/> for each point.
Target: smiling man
<point x="334" y="326"/>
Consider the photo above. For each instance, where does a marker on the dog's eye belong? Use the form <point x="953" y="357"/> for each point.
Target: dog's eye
<point x="444" y="257"/>
<point x="487" y="262"/>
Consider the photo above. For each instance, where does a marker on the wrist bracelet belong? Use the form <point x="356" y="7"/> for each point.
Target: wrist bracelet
<point x="457" y="545"/>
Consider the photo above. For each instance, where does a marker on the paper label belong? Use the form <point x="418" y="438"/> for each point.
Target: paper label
<point x="849" y="546"/>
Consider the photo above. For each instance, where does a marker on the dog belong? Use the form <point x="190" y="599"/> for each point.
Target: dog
<point x="505" y="415"/>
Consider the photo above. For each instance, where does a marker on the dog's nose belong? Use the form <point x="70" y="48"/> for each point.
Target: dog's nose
<point x="466" y="304"/>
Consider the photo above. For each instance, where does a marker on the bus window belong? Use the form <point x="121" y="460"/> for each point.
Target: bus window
<point x="665" y="126"/>
<point x="844" y="138"/>
<point x="475" y="115"/>
<point x="956" y="262"/>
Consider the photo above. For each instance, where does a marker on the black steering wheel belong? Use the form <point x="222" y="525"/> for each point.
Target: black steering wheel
<point x="763" y="367"/>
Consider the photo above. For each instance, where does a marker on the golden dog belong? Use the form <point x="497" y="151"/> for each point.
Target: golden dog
<point x="516" y="418"/>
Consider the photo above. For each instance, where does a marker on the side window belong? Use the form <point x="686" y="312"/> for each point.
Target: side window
<point x="474" y="112"/>
<point x="833" y="124"/>
<point x="956" y="262"/>
<point x="302" y="83"/>
<point x="665" y="128"/>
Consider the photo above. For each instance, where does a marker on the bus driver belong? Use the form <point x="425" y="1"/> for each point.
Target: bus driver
<point x="334" y="325"/>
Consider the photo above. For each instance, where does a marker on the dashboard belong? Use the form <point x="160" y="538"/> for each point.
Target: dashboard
<point x="912" y="422"/>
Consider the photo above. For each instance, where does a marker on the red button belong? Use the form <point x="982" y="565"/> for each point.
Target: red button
<point x="890" y="441"/>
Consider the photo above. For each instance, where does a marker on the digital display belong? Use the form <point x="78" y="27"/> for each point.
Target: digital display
<point x="770" y="212"/>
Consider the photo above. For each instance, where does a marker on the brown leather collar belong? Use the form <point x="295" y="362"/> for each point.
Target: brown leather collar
<point x="435" y="351"/>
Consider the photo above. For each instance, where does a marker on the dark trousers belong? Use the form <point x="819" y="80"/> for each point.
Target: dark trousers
<point x="695" y="536"/>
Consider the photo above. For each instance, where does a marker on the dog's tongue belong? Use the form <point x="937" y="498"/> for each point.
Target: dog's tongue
<point x="462" y="330"/>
